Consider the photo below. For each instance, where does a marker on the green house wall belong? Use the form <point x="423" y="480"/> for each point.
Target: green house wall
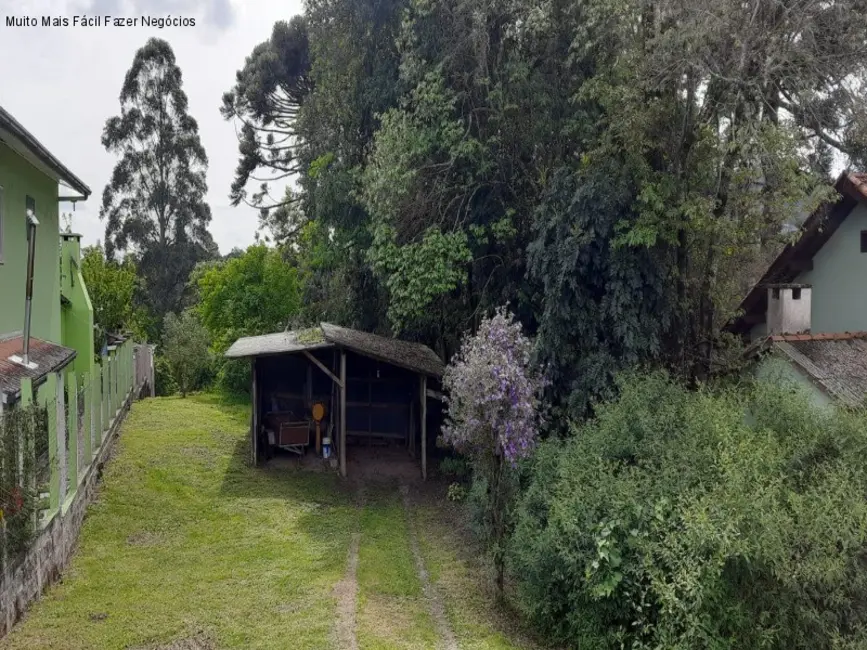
<point x="19" y="179"/>
<point x="839" y="279"/>
<point x="76" y="314"/>
<point x="778" y="368"/>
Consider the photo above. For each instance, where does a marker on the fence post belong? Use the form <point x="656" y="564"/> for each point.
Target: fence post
<point x="103" y="402"/>
<point x="62" y="460"/>
<point x="72" y="424"/>
<point x="86" y="422"/>
<point x="97" y="402"/>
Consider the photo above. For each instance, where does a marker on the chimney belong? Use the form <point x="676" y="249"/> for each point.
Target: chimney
<point x="788" y="308"/>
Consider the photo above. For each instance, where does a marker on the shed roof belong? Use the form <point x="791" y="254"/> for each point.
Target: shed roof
<point x="405" y="354"/>
<point x="837" y="363"/>
<point x="48" y="356"/>
<point x="13" y="133"/>
<point x="796" y="257"/>
<point x="278" y="343"/>
<point x="412" y="356"/>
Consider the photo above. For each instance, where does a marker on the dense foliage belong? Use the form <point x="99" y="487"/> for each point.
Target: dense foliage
<point x="678" y="519"/>
<point x="254" y="292"/>
<point x="186" y="351"/>
<point x="154" y="206"/>
<point x="493" y="419"/>
<point x="618" y="174"/>
<point x="113" y="289"/>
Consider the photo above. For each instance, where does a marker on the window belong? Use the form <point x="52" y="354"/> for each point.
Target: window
<point x="864" y="241"/>
<point x="775" y="293"/>
<point x="796" y="293"/>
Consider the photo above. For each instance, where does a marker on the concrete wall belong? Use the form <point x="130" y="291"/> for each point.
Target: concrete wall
<point x="20" y="179"/>
<point x="839" y="279"/>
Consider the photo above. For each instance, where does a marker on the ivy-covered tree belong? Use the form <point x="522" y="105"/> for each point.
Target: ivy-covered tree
<point x="154" y="206"/>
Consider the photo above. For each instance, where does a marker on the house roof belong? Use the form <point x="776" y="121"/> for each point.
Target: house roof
<point x="48" y="357"/>
<point x="836" y="363"/>
<point x="796" y="257"/>
<point x="405" y="354"/>
<point x="13" y="133"/>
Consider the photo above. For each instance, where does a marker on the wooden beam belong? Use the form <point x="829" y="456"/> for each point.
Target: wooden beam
<point x="423" y="396"/>
<point x="324" y="368"/>
<point x="342" y="385"/>
<point x="435" y="394"/>
<point x="254" y="416"/>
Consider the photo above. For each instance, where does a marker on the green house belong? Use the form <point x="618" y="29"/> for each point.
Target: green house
<point x="33" y="181"/>
<point x="806" y="318"/>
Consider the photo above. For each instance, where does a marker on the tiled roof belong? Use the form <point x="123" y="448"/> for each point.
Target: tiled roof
<point x="48" y="357"/>
<point x="405" y="354"/>
<point x="836" y="362"/>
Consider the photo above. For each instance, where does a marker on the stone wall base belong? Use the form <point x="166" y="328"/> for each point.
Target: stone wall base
<point x="25" y="580"/>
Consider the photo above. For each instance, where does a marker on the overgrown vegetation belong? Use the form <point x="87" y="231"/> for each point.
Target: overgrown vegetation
<point x="23" y="440"/>
<point x="699" y="519"/>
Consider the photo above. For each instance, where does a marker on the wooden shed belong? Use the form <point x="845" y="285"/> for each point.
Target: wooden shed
<point x="355" y="388"/>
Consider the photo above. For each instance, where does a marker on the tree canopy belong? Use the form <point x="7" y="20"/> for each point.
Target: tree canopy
<point x="154" y="206"/>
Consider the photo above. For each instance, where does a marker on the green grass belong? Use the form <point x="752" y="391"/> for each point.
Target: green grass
<point x="392" y="612"/>
<point x="454" y="565"/>
<point x="186" y="540"/>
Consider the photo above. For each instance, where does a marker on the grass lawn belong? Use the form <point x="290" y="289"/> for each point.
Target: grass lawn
<point x="188" y="547"/>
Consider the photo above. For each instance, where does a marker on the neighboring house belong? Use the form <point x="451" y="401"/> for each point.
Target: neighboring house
<point x="33" y="180"/>
<point x="809" y="310"/>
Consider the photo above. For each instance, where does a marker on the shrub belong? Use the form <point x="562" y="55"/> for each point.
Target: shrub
<point x="164" y="381"/>
<point x="492" y="398"/>
<point x="186" y="348"/>
<point x="675" y="520"/>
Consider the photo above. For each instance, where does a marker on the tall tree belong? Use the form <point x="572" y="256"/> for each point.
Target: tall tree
<point x="154" y="205"/>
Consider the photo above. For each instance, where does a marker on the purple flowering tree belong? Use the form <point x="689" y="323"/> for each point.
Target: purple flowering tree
<point x="492" y="394"/>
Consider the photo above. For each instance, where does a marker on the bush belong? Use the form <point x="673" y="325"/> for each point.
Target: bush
<point x="186" y="349"/>
<point x="164" y="380"/>
<point x="674" y="520"/>
<point x="234" y="376"/>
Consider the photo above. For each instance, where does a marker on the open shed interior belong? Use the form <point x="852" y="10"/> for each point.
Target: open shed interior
<point x="383" y="402"/>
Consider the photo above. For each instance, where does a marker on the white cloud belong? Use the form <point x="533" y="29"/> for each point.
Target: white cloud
<point x="63" y="83"/>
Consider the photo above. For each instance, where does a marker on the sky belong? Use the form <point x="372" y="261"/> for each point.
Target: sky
<point x="62" y="83"/>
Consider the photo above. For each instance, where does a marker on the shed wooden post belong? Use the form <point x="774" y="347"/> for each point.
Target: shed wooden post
<point x="254" y="416"/>
<point x="423" y="399"/>
<point x="343" y="412"/>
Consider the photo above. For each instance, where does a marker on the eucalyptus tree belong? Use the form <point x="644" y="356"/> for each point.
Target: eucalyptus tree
<point x="154" y="205"/>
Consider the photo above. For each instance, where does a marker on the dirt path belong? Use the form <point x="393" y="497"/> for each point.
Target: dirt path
<point x="434" y="600"/>
<point x="346" y="591"/>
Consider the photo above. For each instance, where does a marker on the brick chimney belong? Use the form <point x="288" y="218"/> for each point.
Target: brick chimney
<point x="788" y="308"/>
